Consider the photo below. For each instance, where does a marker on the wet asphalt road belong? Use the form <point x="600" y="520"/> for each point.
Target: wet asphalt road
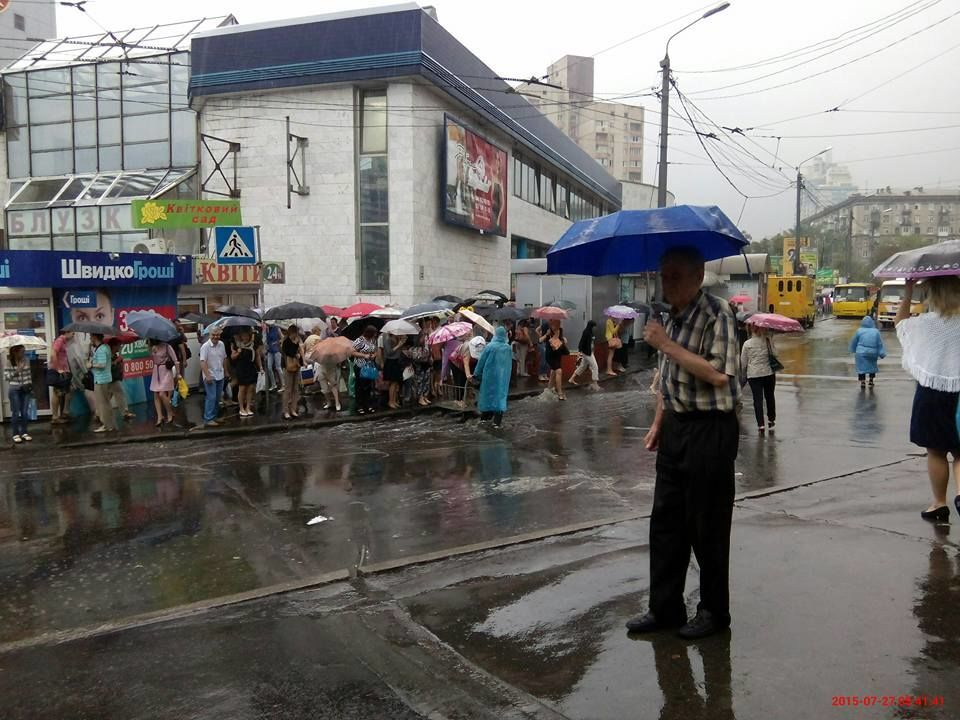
<point x="95" y="535"/>
<point x="838" y="588"/>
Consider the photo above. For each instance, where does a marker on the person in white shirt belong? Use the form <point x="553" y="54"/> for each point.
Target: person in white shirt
<point x="212" y="355"/>
<point x="755" y="360"/>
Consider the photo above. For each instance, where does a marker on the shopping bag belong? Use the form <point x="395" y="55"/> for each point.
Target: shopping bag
<point x="32" y="409"/>
<point x="261" y="382"/>
<point x="182" y="388"/>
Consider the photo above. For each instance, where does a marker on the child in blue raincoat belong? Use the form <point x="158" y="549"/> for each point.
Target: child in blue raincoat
<point x="867" y="346"/>
<point x="493" y="370"/>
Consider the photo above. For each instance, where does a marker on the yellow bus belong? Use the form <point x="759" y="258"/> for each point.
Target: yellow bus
<point x="891" y="293"/>
<point x="792" y="296"/>
<point x="853" y="300"/>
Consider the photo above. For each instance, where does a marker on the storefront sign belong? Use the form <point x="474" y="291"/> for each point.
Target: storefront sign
<point x="88" y="220"/>
<point x="209" y="272"/>
<point x="63" y="269"/>
<point x="274" y="273"/>
<point x="475" y="192"/>
<point x="184" y="214"/>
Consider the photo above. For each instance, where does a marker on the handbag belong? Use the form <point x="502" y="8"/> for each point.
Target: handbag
<point x="291" y="363"/>
<point x="775" y="363"/>
<point x="261" y="382"/>
<point x="369" y="372"/>
<point x="408" y="372"/>
<point x="615" y="343"/>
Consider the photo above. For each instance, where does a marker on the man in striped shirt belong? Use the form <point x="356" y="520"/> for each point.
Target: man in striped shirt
<point x="696" y="436"/>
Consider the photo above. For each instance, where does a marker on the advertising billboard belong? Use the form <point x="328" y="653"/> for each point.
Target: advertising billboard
<point x="475" y="180"/>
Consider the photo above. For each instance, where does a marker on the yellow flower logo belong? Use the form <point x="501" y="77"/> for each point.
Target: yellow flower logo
<point x="151" y="212"/>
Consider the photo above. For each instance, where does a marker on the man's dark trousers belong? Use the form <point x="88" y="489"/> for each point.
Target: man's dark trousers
<point x="693" y="509"/>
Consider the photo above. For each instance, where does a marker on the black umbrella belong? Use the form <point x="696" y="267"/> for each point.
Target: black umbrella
<point x="565" y="304"/>
<point x="509" y="312"/>
<point x="660" y="307"/>
<point x="430" y="309"/>
<point x="199" y="318"/>
<point x="238" y="311"/>
<point x="486" y="310"/>
<point x="92" y="328"/>
<point x="639" y="307"/>
<point x="292" y="310"/>
<point x="453" y="299"/>
<point x="492" y="293"/>
<point x="151" y="326"/>
<point x="230" y="321"/>
<point x="355" y="329"/>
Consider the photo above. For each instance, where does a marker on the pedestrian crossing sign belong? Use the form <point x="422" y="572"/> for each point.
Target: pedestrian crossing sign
<point x="236" y="245"/>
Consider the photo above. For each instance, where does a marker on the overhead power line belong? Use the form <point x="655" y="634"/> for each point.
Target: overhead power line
<point x="819" y="73"/>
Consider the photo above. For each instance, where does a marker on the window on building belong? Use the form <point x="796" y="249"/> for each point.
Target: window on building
<point x="19" y="23"/>
<point x="373" y="228"/>
<point x="105" y="117"/>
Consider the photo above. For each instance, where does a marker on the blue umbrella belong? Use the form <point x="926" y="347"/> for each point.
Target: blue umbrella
<point x="632" y="241"/>
<point x="151" y="326"/>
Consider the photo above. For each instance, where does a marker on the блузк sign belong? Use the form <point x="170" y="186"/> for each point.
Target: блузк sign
<point x="184" y="214"/>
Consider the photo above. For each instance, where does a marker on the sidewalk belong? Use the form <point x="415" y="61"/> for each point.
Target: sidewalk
<point x="189" y="418"/>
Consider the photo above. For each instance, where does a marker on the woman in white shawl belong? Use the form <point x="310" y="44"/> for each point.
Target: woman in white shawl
<point x="931" y="354"/>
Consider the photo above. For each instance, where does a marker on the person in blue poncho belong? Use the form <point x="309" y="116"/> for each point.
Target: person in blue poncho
<point x="493" y="370"/>
<point x="867" y="346"/>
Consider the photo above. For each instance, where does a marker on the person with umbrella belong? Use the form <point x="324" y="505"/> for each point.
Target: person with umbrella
<point x="166" y="370"/>
<point x="102" y="367"/>
<point x="274" y="360"/>
<point x="755" y="358"/>
<point x="245" y="362"/>
<point x="393" y="363"/>
<point x="522" y="345"/>
<point x="555" y="347"/>
<point x="212" y="357"/>
<point x="19" y="379"/>
<point x="931" y="354"/>
<point x="117" y="395"/>
<point x="696" y="435"/>
<point x="493" y="371"/>
<point x="611" y="333"/>
<point x="366" y="370"/>
<point x="292" y="350"/>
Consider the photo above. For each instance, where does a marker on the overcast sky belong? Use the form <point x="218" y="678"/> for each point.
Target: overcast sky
<point x="519" y="39"/>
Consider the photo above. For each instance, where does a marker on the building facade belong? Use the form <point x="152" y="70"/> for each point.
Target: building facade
<point x="828" y="184"/>
<point x="363" y="165"/>
<point x="931" y="215"/>
<point x="611" y="133"/>
<point x="21" y="20"/>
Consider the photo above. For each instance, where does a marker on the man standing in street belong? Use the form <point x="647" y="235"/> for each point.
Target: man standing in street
<point x="212" y="355"/>
<point x="696" y="436"/>
<point x="274" y="364"/>
<point x="101" y="364"/>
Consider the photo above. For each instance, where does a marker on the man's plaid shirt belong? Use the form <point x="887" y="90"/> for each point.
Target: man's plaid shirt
<point x="707" y="327"/>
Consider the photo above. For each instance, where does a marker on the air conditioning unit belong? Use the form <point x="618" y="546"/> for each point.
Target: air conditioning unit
<point x="151" y="246"/>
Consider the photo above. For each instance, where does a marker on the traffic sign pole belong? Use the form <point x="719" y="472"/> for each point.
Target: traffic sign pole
<point x="260" y="266"/>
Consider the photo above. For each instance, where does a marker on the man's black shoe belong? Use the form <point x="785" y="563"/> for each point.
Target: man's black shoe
<point x="650" y="623"/>
<point x="702" y="625"/>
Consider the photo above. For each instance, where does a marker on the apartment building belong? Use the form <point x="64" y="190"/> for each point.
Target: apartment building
<point x="610" y="132"/>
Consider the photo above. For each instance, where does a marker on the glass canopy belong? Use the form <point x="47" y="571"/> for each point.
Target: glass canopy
<point x="99" y="189"/>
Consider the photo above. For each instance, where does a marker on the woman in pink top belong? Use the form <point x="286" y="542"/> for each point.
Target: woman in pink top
<point x="58" y="377"/>
<point x="165" y="372"/>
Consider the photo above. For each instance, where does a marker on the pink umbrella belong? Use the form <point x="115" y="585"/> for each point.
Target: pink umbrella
<point x="621" y="312"/>
<point x="775" y="322"/>
<point x="741" y="299"/>
<point x="550" y="313"/>
<point x="450" y="332"/>
<point x="332" y="350"/>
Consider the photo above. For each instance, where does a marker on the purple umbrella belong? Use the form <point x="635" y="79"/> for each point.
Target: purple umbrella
<point x="621" y="312"/>
<point x="930" y="261"/>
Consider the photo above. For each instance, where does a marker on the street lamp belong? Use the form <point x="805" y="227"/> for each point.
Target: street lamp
<point x="796" y="243"/>
<point x="665" y="105"/>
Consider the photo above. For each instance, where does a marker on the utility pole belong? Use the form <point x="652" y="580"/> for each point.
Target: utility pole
<point x="796" y="241"/>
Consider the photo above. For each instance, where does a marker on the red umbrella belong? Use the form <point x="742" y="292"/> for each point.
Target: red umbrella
<point x="775" y="322"/>
<point x="332" y="310"/>
<point x="360" y="310"/>
<point x="550" y="313"/>
<point x="124" y="338"/>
